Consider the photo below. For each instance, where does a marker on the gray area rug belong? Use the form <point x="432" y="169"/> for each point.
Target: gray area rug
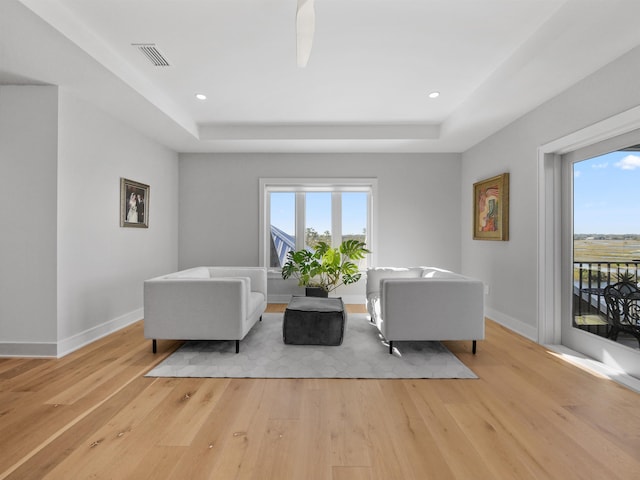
<point x="263" y="354"/>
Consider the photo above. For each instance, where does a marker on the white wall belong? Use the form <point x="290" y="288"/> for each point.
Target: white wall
<point x="418" y="204"/>
<point x="28" y="144"/>
<point x="510" y="268"/>
<point x="68" y="273"/>
<point x="101" y="266"/>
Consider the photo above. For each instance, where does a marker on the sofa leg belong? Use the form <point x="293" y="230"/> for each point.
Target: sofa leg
<point x="260" y="317"/>
<point x="154" y="346"/>
<point x="473" y="349"/>
<point x="237" y="346"/>
<point x="390" y="347"/>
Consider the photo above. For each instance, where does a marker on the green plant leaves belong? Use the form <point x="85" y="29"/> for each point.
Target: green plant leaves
<point x="353" y="249"/>
<point x="326" y="267"/>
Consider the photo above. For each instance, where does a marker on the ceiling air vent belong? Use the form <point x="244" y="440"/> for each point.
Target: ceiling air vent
<point x="150" y="51"/>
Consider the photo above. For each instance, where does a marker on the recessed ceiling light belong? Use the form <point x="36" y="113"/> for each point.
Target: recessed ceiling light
<point x="434" y="94"/>
<point x="201" y="96"/>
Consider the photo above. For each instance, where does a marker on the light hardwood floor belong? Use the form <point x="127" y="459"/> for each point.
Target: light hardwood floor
<point x="530" y="415"/>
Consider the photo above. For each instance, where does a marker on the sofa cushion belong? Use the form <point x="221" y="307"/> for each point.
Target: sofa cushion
<point x="432" y="272"/>
<point x="198" y="272"/>
<point x="374" y="275"/>
<point x="443" y="274"/>
<point x="373" y="306"/>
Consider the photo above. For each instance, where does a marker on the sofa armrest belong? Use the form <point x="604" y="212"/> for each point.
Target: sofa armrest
<point x="376" y="274"/>
<point x="258" y="276"/>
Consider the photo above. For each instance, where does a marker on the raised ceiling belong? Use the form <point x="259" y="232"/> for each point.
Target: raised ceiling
<point x="366" y="85"/>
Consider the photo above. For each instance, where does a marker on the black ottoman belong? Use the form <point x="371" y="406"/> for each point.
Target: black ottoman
<point x="314" y="321"/>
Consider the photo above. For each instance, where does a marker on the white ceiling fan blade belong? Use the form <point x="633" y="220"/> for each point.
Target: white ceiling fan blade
<point x="305" y="27"/>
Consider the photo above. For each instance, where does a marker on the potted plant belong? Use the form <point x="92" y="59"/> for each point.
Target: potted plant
<point x="325" y="268"/>
<point x="626" y="277"/>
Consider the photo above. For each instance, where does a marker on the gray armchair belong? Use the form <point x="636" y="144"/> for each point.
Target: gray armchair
<point x="205" y="303"/>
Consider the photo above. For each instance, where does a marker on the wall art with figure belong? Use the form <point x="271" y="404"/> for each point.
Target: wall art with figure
<point x="134" y="204"/>
<point x="491" y="208"/>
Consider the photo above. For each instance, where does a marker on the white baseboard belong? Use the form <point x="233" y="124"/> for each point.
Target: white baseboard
<point x="511" y="323"/>
<point x="90" y="335"/>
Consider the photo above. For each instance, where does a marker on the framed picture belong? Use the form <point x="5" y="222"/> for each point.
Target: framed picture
<point x="491" y="208"/>
<point x="134" y="204"/>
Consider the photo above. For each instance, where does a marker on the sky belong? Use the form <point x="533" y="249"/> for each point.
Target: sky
<point x="607" y="194"/>
<point x="318" y="214"/>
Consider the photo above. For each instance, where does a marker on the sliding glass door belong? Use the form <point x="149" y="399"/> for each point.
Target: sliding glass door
<point x="601" y="247"/>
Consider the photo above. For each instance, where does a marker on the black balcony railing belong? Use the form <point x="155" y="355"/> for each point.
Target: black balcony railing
<point x="590" y="279"/>
<point x="595" y="274"/>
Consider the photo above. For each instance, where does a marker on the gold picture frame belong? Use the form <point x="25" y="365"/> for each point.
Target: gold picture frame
<point x="491" y="208"/>
<point x="134" y="204"/>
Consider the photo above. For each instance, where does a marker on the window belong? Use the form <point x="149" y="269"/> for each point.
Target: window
<point x="317" y="218"/>
<point x="556" y="292"/>
<point x="299" y="213"/>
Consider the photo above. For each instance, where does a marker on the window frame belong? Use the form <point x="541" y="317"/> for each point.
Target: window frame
<point x="553" y="282"/>
<point x="302" y="185"/>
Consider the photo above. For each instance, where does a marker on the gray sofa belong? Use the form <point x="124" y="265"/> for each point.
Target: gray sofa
<point x="425" y="303"/>
<point x="205" y="303"/>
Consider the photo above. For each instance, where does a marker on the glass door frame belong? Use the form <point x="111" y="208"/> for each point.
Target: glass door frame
<point x="555" y="244"/>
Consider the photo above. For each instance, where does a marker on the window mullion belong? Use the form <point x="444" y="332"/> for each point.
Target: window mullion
<point x="266" y="228"/>
<point x="336" y="219"/>
<point x="300" y="220"/>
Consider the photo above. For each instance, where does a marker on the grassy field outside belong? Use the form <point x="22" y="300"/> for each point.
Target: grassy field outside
<point x="606" y="250"/>
<point x="624" y="254"/>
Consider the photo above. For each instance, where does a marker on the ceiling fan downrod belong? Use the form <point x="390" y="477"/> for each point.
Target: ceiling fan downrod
<point x="305" y="28"/>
